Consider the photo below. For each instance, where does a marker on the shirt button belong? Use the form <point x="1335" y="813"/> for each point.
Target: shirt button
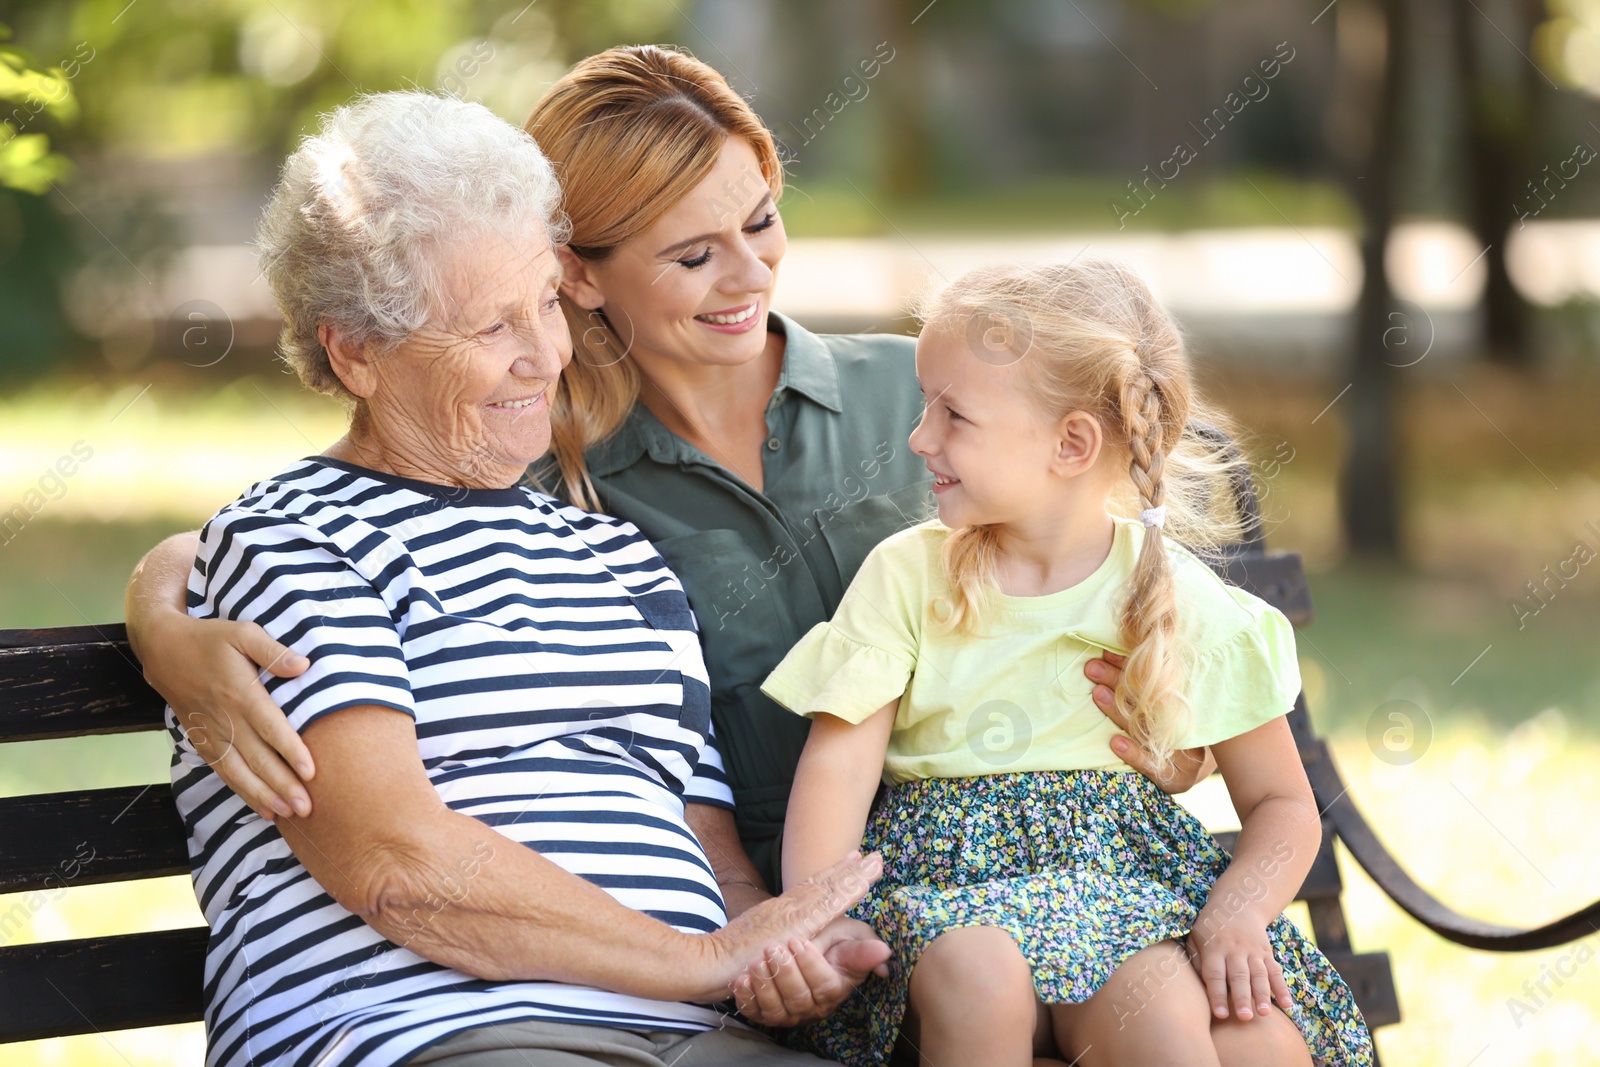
<point x="773" y="444"/>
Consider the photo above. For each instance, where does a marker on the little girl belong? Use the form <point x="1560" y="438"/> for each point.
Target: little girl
<point x="1042" y="902"/>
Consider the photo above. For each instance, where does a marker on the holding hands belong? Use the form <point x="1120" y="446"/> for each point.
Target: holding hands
<point x="795" y="958"/>
<point x="806" y="979"/>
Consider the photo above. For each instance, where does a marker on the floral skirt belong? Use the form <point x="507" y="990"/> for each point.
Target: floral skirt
<point x="1083" y="869"/>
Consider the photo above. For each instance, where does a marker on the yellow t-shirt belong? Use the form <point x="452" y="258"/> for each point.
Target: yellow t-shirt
<point x="1015" y="697"/>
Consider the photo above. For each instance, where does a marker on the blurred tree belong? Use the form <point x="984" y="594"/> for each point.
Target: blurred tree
<point x="585" y="27"/>
<point x="171" y="96"/>
<point x="1503" y="93"/>
<point x="31" y="97"/>
<point x="35" y="245"/>
<point x="37" y="250"/>
<point x="1367" y="138"/>
<point x="907" y="143"/>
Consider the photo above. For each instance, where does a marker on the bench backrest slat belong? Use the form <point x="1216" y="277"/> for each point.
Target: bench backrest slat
<point x="1279" y="579"/>
<point x="72" y="683"/>
<point x="61" y="988"/>
<point x="55" y="840"/>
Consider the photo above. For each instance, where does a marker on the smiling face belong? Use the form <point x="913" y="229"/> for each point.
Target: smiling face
<point x="465" y="400"/>
<point x="696" y="285"/>
<point x="996" y="458"/>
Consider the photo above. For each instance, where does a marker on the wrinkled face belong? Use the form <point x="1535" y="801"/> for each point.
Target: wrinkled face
<point x="697" y="285"/>
<point x="991" y="451"/>
<point x="467" y="397"/>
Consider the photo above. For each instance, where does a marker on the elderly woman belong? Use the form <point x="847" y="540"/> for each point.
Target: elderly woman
<point x="764" y="461"/>
<point x="504" y="695"/>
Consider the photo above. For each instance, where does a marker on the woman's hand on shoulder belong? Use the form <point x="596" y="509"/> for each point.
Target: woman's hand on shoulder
<point x="1190" y="766"/>
<point x="808" y="979"/>
<point x="211" y="672"/>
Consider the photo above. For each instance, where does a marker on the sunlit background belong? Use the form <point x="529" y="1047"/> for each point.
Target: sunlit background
<point x="1387" y="216"/>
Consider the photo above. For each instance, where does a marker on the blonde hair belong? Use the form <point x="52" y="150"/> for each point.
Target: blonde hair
<point x="1091" y="337"/>
<point x="631" y="131"/>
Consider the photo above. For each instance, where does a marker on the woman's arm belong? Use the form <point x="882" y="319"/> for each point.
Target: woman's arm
<point x="1280" y="832"/>
<point x="210" y="671"/>
<point x="386" y="847"/>
<point x="838" y="775"/>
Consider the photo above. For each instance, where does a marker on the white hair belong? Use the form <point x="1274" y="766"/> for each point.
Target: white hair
<point x="362" y="210"/>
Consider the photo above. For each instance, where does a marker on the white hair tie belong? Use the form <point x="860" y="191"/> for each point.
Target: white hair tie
<point x="1156" y="516"/>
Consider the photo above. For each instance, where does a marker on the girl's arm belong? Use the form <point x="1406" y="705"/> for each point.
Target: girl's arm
<point x="833" y="789"/>
<point x="806" y="979"/>
<point x="1280" y="832"/>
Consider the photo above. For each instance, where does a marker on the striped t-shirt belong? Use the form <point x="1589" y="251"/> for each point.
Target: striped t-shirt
<point x="551" y="664"/>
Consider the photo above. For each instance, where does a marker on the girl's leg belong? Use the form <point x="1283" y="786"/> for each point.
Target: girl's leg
<point x="1270" y="1040"/>
<point x="973" y="1003"/>
<point x="1152" y="1012"/>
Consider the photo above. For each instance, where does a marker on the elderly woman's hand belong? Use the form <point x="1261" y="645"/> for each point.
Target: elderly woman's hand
<point x="798" y="916"/>
<point x="1190" y="766"/>
<point x="807" y="980"/>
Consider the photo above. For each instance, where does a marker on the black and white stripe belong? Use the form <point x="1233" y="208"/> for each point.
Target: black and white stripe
<point x="552" y="667"/>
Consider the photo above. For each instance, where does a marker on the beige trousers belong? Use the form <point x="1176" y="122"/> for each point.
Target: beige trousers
<point x="552" y="1044"/>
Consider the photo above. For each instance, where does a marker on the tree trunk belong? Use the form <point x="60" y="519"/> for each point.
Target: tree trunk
<point x="1369" y="482"/>
<point x="907" y="161"/>
<point x="1501" y="113"/>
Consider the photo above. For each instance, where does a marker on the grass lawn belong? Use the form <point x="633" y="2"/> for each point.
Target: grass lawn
<point x="1495" y="814"/>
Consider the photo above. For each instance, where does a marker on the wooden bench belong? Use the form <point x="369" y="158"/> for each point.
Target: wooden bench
<point x="77" y="681"/>
<point x="74" y="682"/>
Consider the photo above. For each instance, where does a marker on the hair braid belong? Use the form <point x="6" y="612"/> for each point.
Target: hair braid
<point x="1141" y="413"/>
<point x="1151" y="695"/>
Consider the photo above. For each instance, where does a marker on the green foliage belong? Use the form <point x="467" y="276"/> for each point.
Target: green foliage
<point x="29" y="94"/>
<point x="179" y="80"/>
<point x="189" y="79"/>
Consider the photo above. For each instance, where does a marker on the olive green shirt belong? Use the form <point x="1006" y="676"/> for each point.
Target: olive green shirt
<point x="762" y="568"/>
